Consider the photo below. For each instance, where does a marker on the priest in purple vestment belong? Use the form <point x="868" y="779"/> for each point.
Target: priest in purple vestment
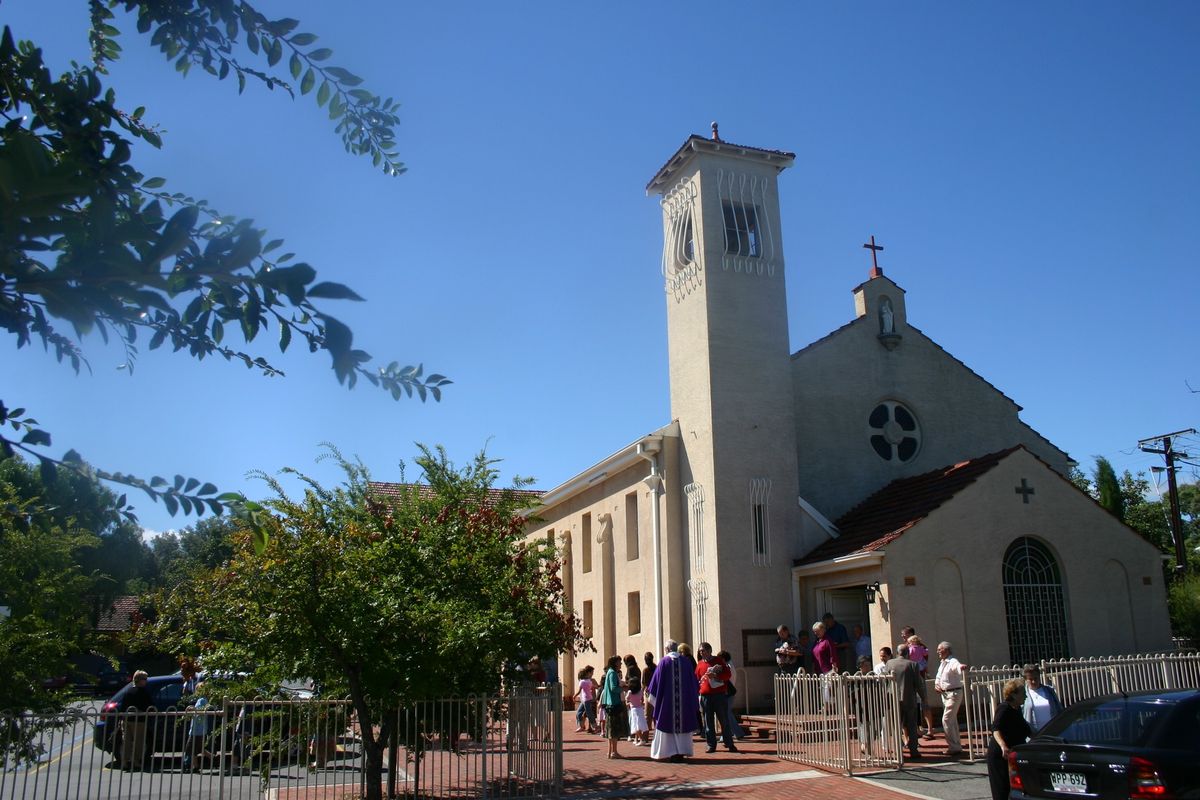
<point x="675" y="694"/>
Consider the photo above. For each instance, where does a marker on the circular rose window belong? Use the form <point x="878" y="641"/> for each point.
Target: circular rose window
<point x="895" y="434"/>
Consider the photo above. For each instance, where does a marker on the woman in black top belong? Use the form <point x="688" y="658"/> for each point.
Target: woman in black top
<point x="647" y="674"/>
<point x="1009" y="729"/>
<point x="632" y="670"/>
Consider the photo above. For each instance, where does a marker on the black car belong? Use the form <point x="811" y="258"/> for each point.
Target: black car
<point x="1140" y="745"/>
<point x="110" y="679"/>
<point x="165" y="692"/>
<point x="261" y="729"/>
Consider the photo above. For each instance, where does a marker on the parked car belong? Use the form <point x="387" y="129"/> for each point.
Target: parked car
<point x="55" y="682"/>
<point x="112" y="679"/>
<point x="1140" y="745"/>
<point x="267" y="730"/>
<point x="165" y="692"/>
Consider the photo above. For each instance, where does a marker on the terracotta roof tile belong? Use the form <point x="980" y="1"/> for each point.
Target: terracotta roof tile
<point x="118" y="617"/>
<point x="886" y="515"/>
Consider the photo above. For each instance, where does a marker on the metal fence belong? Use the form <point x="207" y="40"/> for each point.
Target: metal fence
<point x="486" y="747"/>
<point x="1075" y="680"/>
<point x="840" y="722"/>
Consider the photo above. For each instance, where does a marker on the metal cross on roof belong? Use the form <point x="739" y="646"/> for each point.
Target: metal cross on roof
<point x="874" y="248"/>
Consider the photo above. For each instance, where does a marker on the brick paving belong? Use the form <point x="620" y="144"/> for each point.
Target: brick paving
<point x="754" y="772"/>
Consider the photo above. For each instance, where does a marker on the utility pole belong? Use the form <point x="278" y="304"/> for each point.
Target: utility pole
<point x="1172" y="490"/>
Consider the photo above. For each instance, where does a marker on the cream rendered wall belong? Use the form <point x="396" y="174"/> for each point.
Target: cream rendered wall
<point x="839" y="380"/>
<point x="613" y="575"/>
<point x="731" y="393"/>
<point x="975" y="529"/>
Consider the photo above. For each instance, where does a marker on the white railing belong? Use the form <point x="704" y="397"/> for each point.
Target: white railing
<point x="502" y="747"/>
<point x="838" y="722"/>
<point x="1075" y="680"/>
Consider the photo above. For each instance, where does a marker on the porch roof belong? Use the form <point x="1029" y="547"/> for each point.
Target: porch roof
<point x="887" y="514"/>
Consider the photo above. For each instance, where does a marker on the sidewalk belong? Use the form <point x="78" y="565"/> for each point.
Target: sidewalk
<point x="753" y="772"/>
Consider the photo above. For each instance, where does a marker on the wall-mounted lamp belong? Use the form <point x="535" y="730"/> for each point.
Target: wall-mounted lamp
<point x="872" y="589"/>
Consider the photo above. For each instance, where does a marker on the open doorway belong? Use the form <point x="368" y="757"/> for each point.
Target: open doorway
<point x="849" y="607"/>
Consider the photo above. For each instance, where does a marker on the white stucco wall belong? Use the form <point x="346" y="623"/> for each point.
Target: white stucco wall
<point x="839" y="380"/>
<point x="969" y="536"/>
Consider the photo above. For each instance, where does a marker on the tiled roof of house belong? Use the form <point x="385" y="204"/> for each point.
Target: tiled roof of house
<point x="118" y="616"/>
<point x="395" y="490"/>
<point x="900" y="505"/>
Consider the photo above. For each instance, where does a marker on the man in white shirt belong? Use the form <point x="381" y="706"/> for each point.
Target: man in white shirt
<point x="885" y="655"/>
<point x="949" y="684"/>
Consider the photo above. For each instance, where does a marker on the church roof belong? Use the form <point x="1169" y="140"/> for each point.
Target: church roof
<point x="836" y="331"/>
<point x="695" y="143"/>
<point x="900" y="505"/>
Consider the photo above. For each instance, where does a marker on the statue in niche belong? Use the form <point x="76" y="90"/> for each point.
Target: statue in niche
<point x="887" y="317"/>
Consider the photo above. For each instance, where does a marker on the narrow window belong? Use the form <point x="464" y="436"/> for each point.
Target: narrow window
<point x="587" y="618"/>
<point x="760" y="531"/>
<point x="585" y="542"/>
<point x="631" y="526"/>
<point x="742" y="236"/>
<point x="635" y="613"/>
<point x="687" y="244"/>
<point x="760" y="522"/>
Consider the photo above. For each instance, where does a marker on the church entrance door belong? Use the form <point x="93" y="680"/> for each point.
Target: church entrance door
<point x="849" y="607"/>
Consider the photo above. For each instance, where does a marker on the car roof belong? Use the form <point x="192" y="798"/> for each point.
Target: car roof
<point x="152" y="681"/>
<point x="1151" y="695"/>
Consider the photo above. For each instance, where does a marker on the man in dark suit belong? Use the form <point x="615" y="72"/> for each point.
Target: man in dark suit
<point x="909" y="686"/>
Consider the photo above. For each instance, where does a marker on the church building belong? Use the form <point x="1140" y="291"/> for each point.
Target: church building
<point x="870" y="474"/>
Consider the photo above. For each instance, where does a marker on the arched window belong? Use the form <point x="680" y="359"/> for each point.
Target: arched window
<point x="1033" y="603"/>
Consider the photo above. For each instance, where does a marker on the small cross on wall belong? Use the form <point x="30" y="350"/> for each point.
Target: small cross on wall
<point x="1024" y="490"/>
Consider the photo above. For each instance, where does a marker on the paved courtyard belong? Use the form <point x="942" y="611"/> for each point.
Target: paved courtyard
<point x="753" y="773"/>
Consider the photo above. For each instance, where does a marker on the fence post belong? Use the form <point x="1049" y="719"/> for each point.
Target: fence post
<point x="843" y="706"/>
<point x="221" y="746"/>
<point x="556" y="708"/>
<point x="968" y="700"/>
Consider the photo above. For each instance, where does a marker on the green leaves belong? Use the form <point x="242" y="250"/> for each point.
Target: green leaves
<point x="89" y="244"/>
<point x="333" y="291"/>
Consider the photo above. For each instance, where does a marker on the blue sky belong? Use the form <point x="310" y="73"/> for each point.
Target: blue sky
<point x="1031" y="168"/>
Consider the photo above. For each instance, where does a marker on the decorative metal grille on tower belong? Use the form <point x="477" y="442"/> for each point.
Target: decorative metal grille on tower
<point x="699" y="592"/>
<point x="760" y="528"/>
<point x="695" y="502"/>
<point x="682" y="261"/>
<point x="750" y="244"/>
<point x="1033" y="603"/>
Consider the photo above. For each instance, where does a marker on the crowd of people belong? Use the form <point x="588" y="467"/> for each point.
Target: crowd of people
<point x="663" y="704"/>
<point x="1027" y="705"/>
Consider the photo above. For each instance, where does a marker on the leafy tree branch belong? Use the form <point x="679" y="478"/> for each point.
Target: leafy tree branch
<point x="91" y="245"/>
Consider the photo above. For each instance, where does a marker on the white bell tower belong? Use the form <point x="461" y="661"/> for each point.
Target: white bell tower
<point x="731" y="386"/>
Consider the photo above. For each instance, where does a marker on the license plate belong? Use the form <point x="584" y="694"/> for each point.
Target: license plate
<point x="1068" y="782"/>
